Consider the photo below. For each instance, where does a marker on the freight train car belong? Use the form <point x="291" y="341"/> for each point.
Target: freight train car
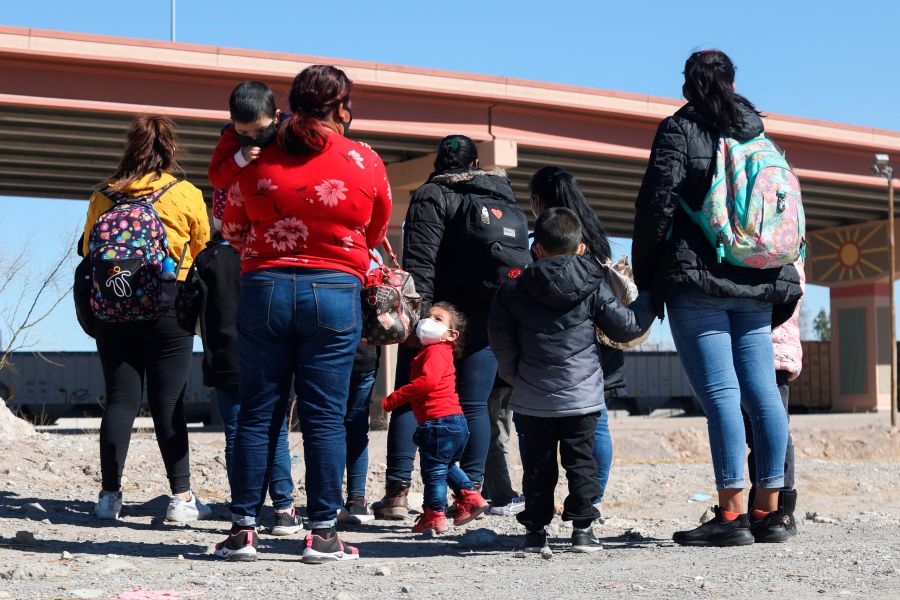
<point x="48" y="386"/>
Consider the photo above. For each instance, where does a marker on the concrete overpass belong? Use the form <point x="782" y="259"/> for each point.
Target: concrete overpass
<point x="66" y="99"/>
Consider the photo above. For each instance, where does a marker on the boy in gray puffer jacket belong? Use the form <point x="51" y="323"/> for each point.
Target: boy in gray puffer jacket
<point x="541" y="329"/>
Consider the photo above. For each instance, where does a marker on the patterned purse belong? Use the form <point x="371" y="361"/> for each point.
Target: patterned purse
<point x="390" y="304"/>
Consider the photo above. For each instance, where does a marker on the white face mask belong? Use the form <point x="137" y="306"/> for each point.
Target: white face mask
<point x="430" y="331"/>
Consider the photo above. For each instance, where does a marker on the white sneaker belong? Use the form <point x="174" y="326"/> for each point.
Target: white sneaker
<point x="185" y="511"/>
<point x="515" y="506"/>
<point x="109" y="505"/>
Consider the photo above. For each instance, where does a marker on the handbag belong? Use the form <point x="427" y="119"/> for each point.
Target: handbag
<point x="621" y="280"/>
<point x="390" y="304"/>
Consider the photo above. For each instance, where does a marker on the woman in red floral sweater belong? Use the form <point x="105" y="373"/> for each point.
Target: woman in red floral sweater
<point x="303" y="214"/>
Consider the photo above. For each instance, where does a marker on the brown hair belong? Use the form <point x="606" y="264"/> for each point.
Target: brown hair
<point x="151" y="146"/>
<point x="457" y="322"/>
<point x="315" y="93"/>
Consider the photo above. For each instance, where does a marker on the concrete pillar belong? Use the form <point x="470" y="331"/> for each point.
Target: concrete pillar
<point x="860" y="347"/>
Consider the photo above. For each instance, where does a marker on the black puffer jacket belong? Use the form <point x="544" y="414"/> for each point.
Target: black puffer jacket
<point x="542" y="332"/>
<point x="681" y="166"/>
<point x="430" y="255"/>
<point x="218" y="269"/>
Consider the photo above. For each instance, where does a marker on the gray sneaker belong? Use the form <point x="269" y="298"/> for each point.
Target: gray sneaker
<point x="514" y="507"/>
<point x="186" y="511"/>
<point x="109" y="505"/>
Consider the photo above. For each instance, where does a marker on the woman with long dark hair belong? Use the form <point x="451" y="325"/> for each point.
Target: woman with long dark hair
<point x="155" y="351"/>
<point x="553" y="187"/>
<point x="304" y="215"/>
<point x="721" y="315"/>
<point x="439" y="235"/>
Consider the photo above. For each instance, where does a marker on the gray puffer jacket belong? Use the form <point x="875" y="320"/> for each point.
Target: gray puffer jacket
<point x="541" y="330"/>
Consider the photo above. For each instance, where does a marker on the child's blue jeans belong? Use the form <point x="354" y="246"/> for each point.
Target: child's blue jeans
<point x="441" y="443"/>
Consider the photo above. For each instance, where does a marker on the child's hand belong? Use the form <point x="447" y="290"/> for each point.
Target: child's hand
<point x="386" y="404"/>
<point x="251" y="153"/>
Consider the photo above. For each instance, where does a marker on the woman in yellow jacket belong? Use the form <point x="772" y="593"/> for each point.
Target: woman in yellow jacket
<point x="158" y="352"/>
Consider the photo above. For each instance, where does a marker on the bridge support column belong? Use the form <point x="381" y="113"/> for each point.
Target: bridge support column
<point x="861" y="347"/>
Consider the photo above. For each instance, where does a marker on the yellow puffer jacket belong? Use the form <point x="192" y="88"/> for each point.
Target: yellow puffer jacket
<point x="181" y="210"/>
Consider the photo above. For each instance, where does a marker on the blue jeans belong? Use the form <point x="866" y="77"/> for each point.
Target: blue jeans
<point x="281" y="486"/>
<point x="441" y="444"/>
<point x="603" y="453"/>
<point x="725" y="346"/>
<point x="300" y="325"/>
<point x="356" y="423"/>
<point x="475" y="375"/>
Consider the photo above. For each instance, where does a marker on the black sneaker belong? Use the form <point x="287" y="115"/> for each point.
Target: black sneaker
<point x="326" y="548"/>
<point x="286" y="523"/>
<point x="356" y="512"/>
<point x="717" y="532"/>
<point x="584" y="540"/>
<point x="238" y="546"/>
<point x="535" y="541"/>
<point x="770" y="529"/>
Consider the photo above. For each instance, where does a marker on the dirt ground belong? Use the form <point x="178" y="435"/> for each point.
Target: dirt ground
<point x="848" y="471"/>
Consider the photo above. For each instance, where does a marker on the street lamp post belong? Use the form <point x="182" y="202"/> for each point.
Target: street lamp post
<point x="882" y="166"/>
<point x="173" y="20"/>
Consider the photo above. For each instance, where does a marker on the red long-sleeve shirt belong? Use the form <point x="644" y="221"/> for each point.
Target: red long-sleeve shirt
<point x="224" y="168"/>
<point x="319" y="212"/>
<point x="432" y="386"/>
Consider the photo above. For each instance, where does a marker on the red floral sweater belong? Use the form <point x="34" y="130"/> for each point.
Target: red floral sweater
<point x="432" y="386"/>
<point x="319" y="212"/>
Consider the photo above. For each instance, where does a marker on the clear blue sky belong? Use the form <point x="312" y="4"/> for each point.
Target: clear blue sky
<point x="819" y="59"/>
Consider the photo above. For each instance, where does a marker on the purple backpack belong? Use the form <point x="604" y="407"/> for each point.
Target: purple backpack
<point x="127" y="247"/>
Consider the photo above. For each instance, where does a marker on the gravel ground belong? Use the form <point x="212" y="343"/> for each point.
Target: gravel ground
<point x="849" y="547"/>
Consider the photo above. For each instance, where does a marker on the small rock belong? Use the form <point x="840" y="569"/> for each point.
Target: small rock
<point x="637" y="587"/>
<point x="181" y="541"/>
<point x="66" y="555"/>
<point x="34" y="507"/>
<point x="382" y="571"/>
<point x="46" y="522"/>
<point x="520" y="555"/>
<point x="50" y="466"/>
<point x="823" y="520"/>
<point x="181" y="557"/>
<point x="23" y="572"/>
<point x="86" y="593"/>
<point x="89" y="470"/>
<point x="635" y="534"/>
<point x="546" y="553"/>
<point x="25" y="538"/>
<point x="478" y="538"/>
<point x="406" y="589"/>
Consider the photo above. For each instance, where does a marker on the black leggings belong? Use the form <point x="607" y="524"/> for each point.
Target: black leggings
<point x="159" y="351"/>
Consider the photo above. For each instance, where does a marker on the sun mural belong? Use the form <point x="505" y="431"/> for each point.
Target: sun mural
<point x="854" y="254"/>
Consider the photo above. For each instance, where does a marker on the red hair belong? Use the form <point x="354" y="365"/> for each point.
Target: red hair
<point x="316" y="92"/>
<point x="151" y="146"/>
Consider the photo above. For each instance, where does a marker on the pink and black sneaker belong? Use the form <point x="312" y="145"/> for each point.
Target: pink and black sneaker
<point x="240" y="545"/>
<point x="326" y="547"/>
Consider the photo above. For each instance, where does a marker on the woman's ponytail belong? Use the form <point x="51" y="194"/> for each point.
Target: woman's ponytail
<point x="709" y="87"/>
<point x="316" y="92"/>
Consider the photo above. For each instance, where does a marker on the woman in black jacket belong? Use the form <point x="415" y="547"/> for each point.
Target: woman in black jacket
<point x="437" y="251"/>
<point x="553" y="187"/>
<point x="721" y="315"/>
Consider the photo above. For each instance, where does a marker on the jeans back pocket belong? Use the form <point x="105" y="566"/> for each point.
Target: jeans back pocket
<point x="254" y="305"/>
<point x="336" y="305"/>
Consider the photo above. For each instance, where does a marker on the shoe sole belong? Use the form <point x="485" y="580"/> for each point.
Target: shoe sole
<point x="237" y="555"/>
<point x="777" y="539"/>
<point x="586" y="549"/>
<point x="722" y="544"/>
<point x="283" y="531"/>
<point x="534" y="549"/>
<point x="199" y="517"/>
<point x="311" y="557"/>
<point x="478" y="512"/>
<point x="392" y="514"/>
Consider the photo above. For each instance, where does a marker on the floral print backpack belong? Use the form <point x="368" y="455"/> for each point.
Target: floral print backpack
<point x="753" y="213"/>
<point x="127" y="247"/>
<point x="390" y="304"/>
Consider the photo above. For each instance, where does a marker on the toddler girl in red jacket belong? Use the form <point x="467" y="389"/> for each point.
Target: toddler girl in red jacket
<point x="442" y="433"/>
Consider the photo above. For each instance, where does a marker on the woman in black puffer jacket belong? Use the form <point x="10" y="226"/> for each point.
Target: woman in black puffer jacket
<point x="721" y="315"/>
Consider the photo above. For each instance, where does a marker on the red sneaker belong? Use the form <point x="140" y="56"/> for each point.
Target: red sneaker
<point x="469" y="505"/>
<point x="430" y="519"/>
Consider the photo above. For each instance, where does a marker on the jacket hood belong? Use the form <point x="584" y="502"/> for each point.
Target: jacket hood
<point x="467" y="181"/>
<point x="562" y="281"/>
<point x="751" y="127"/>
<point x="147" y="184"/>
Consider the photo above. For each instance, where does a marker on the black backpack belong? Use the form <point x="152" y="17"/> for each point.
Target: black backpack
<point x="489" y="239"/>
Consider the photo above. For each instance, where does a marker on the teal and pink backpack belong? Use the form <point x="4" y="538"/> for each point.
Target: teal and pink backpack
<point x="753" y="213"/>
<point x="127" y="248"/>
